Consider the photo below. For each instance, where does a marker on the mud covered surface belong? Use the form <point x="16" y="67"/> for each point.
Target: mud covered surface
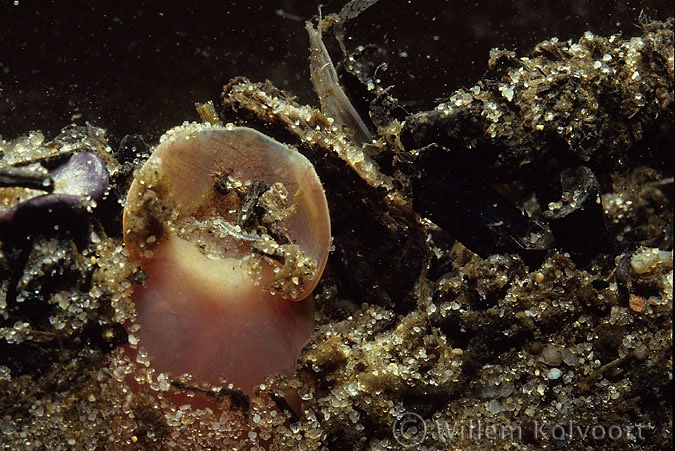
<point x="501" y="274"/>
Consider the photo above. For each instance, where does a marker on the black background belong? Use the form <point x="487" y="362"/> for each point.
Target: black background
<point x="139" y="67"/>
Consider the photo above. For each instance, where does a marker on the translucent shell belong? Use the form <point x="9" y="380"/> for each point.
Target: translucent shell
<point x="230" y="227"/>
<point x="233" y="193"/>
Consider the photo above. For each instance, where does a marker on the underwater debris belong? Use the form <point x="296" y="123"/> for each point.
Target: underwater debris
<point x="45" y="185"/>
<point x="589" y="101"/>
<point x="578" y="213"/>
<point x="379" y="221"/>
<point x="602" y="103"/>
<point x="51" y="293"/>
<point x="474" y="213"/>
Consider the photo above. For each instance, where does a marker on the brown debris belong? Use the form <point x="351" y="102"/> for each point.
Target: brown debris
<point x="593" y="100"/>
<point x="378" y="221"/>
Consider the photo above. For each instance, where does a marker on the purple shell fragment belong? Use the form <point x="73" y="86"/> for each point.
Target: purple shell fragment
<point x="81" y="179"/>
<point x="83" y="175"/>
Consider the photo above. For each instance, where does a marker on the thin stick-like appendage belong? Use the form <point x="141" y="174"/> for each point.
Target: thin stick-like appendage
<point x="334" y="101"/>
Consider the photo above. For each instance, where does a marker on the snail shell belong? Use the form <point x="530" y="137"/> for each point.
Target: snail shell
<point x="231" y="228"/>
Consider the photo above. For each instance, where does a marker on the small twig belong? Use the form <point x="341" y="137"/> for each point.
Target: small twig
<point x="284" y="406"/>
<point x="238" y="399"/>
<point x="11" y="177"/>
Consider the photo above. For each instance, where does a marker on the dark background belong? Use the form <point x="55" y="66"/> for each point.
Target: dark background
<point x="139" y="67"/>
